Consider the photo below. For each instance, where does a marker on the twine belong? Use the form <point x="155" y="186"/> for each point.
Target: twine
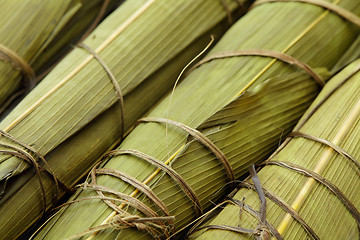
<point x="117" y="88"/>
<point x="342" y="12"/>
<point x="22" y="152"/>
<point x="263" y="53"/>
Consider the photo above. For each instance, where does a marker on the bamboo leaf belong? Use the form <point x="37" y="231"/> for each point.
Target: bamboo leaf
<point x="336" y="120"/>
<point x="40" y="32"/>
<point x="313" y="35"/>
<point x="72" y="117"/>
<point x="250" y="101"/>
<point x="350" y="56"/>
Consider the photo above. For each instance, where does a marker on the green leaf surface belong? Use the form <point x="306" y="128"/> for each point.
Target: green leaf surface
<point x="320" y="209"/>
<point x="40" y="32"/>
<point x="72" y="117"/>
<point x="313" y="35"/>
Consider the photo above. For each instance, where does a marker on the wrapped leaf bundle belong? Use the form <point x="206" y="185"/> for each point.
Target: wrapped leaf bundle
<point x="314" y="175"/>
<point x="74" y="115"/>
<point x="34" y="34"/>
<point x="226" y="114"/>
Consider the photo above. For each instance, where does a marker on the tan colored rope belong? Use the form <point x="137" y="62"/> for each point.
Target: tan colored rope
<point x="308" y="115"/>
<point x="232" y="229"/>
<point x="228" y="11"/>
<point x="119" y="29"/>
<point x="264" y="228"/>
<point x="256" y="232"/>
<point x="336" y="148"/>
<point x="264" y="233"/>
<point x="133" y="221"/>
<point x="18" y="63"/>
<point x="260" y="192"/>
<point x="136" y="184"/>
<point x="96" y="20"/>
<point x="263" y="53"/>
<point x="29" y="159"/>
<point x="117" y="88"/>
<point x="24" y="155"/>
<point x="152" y="223"/>
<point x="150" y="214"/>
<point x="334" y="189"/>
<point x="342" y="12"/>
<point x="285" y="206"/>
<point x="186" y="188"/>
<point x="123" y="198"/>
<point x="201" y="138"/>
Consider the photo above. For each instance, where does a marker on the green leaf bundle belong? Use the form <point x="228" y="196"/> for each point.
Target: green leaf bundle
<point x="73" y="116"/>
<point x="327" y="145"/>
<point x="242" y="104"/>
<point x="34" y="34"/>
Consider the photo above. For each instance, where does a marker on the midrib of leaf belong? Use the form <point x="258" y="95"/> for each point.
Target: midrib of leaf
<point x="107" y="41"/>
<point x="251" y="82"/>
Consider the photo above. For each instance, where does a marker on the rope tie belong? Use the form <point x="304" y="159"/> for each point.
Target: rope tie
<point x="143" y="224"/>
<point x="152" y="223"/>
<point x="242" y="9"/>
<point x="263" y="231"/>
<point x="114" y="82"/>
<point x="18" y="63"/>
<point x="31" y="156"/>
<point x="336" y="148"/>
<point x="313" y="110"/>
<point x="342" y="12"/>
<point x="202" y="139"/>
<point x="322" y="180"/>
<point x="185" y="187"/>
<point x="263" y="53"/>
<point x="155" y="225"/>
<point x="285" y="206"/>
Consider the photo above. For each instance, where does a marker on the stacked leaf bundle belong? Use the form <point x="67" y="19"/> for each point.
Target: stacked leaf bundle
<point x="316" y="175"/>
<point x="239" y="107"/>
<point x="74" y="115"/>
<point x="35" y="33"/>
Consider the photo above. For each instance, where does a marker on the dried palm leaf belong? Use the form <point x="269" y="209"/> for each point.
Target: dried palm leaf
<point x="73" y="116"/>
<point x="312" y="182"/>
<point x="233" y="107"/>
<point x="34" y="34"/>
